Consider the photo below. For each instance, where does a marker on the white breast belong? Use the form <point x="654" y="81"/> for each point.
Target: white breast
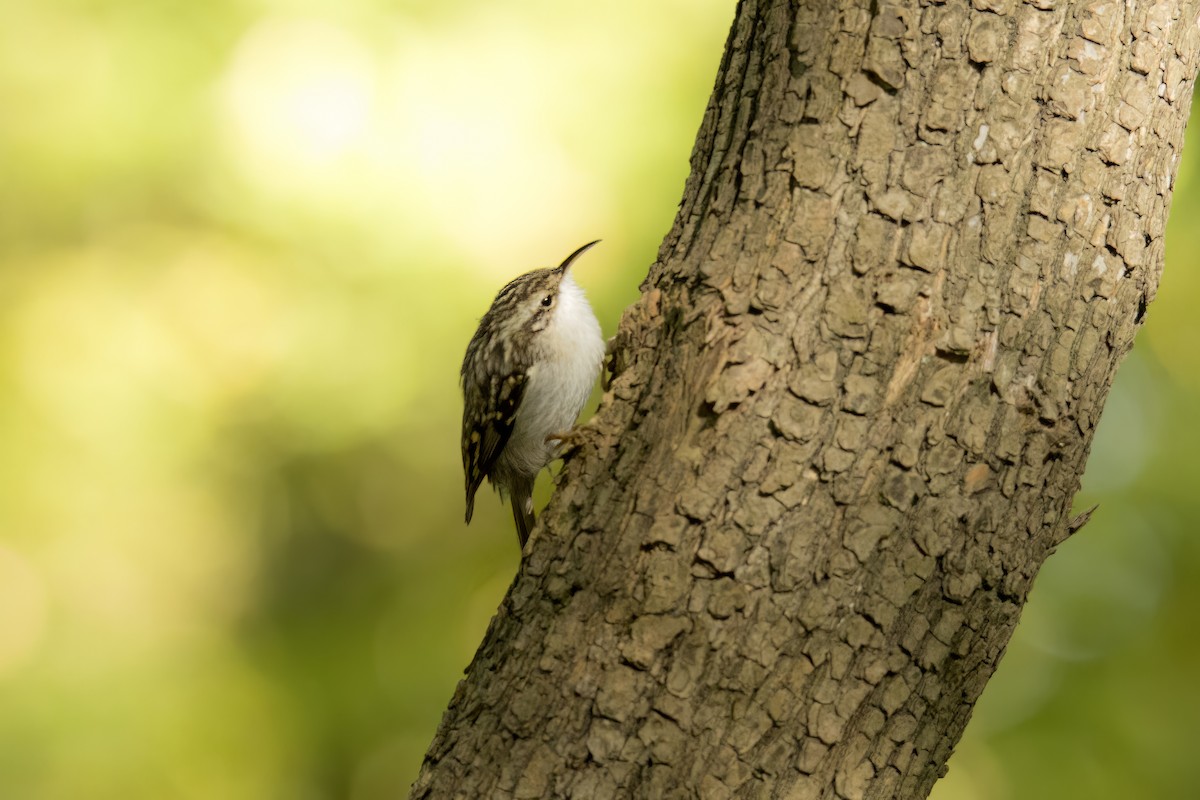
<point x="559" y="383"/>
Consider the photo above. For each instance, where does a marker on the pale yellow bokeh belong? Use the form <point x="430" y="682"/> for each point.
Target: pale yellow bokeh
<point x="243" y="247"/>
<point x="23" y="611"/>
<point x="299" y="97"/>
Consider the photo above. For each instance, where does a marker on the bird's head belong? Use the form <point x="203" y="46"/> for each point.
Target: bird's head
<point x="535" y="298"/>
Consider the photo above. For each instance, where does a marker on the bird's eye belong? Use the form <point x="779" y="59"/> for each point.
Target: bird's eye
<point x="547" y="300"/>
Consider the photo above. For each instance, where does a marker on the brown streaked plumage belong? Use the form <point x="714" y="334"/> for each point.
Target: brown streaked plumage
<point x="527" y="372"/>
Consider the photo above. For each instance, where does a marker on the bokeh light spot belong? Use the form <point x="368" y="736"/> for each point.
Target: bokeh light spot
<point x="23" y="610"/>
<point x="298" y="96"/>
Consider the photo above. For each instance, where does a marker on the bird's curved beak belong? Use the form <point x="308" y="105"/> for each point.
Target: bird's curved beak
<point x="566" y="264"/>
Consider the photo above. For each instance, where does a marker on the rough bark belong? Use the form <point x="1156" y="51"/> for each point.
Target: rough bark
<point x="850" y="411"/>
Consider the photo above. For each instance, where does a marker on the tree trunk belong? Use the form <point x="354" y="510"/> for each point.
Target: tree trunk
<point x="850" y="409"/>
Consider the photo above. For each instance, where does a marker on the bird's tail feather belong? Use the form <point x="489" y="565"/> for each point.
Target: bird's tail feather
<point x="522" y="507"/>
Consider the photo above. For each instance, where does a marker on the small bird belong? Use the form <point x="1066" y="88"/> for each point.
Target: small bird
<point x="527" y="373"/>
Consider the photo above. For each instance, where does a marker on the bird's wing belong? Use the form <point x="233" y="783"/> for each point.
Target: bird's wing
<point x="486" y="429"/>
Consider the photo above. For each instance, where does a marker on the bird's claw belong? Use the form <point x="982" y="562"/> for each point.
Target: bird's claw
<point x="567" y="441"/>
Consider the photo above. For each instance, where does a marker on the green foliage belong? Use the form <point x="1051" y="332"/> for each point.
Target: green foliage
<point x="244" y="245"/>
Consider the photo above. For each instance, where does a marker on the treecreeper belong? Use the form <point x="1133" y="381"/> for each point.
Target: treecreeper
<point x="527" y="373"/>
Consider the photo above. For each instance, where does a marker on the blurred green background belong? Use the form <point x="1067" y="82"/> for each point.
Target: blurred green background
<point x="242" y="248"/>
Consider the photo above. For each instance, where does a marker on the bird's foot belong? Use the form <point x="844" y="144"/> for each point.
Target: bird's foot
<point x="567" y="442"/>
